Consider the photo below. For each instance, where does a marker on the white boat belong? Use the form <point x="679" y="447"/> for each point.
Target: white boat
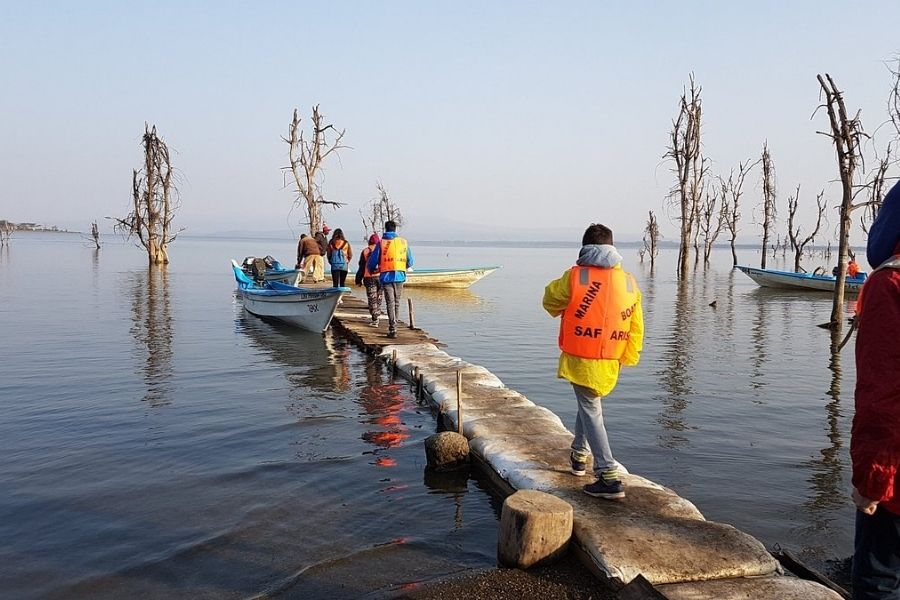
<point x="446" y="278"/>
<point x="310" y="309"/>
<point x="801" y="281"/>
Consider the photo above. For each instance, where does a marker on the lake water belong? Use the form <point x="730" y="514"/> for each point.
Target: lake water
<point x="158" y="441"/>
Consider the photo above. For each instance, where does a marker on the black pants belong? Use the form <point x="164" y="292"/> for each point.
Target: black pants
<point x="876" y="557"/>
<point x="338" y="278"/>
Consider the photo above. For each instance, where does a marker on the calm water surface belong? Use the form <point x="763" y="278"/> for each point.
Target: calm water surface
<point x="160" y="441"/>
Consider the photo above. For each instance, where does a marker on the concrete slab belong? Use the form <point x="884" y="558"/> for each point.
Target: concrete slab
<point x="749" y="588"/>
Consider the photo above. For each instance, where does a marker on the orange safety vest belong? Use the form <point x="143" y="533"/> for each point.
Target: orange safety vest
<point x="365" y="255"/>
<point x="393" y="255"/>
<point x="597" y="321"/>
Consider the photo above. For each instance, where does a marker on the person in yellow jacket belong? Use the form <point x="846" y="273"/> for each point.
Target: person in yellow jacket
<point x="601" y="329"/>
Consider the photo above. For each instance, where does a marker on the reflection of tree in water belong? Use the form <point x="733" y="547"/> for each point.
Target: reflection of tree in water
<point x="826" y="481"/>
<point x="759" y="330"/>
<point x="384" y="402"/>
<point x="152" y="329"/>
<point x="675" y="376"/>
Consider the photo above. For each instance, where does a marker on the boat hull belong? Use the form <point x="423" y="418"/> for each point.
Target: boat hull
<point x="799" y="281"/>
<point x="446" y="278"/>
<point x="308" y="309"/>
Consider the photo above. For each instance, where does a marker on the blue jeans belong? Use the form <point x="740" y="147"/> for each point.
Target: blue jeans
<point x="590" y="433"/>
<point x="876" y="557"/>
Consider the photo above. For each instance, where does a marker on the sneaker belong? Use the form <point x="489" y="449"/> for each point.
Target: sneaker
<point x="610" y="490"/>
<point x="392" y="334"/>
<point x="579" y="464"/>
<point x="373" y="323"/>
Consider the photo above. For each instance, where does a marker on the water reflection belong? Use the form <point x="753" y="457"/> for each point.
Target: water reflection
<point x="445" y="296"/>
<point x="829" y="496"/>
<point x="384" y="402"/>
<point x="152" y="328"/>
<point x="314" y="361"/>
<point x="759" y="333"/>
<point x="675" y="377"/>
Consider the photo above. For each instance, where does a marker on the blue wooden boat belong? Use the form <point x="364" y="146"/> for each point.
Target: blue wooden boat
<point x="306" y="308"/>
<point x="801" y="281"/>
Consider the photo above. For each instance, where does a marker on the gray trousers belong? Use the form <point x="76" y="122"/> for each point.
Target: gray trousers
<point x="392" y="293"/>
<point x="590" y="432"/>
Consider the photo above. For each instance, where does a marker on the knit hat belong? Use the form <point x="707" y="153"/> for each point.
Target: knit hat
<point x="326" y="229"/>
<point x="374" y="239"/>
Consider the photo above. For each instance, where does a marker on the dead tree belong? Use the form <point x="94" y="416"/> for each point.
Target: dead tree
<point x="307" y="157"/>
<point x="6" y="231"/>
<point x="713" y="215"/>
<point x="690" y="168"/>
<point x="651" y="240"/>
<point x="798" y="244"/>
<point x="380" y="209"/>
<point x="95" y="234"/>
<point x="154" y="200"/>
<point x="732" y="201"/>
<point x="845" y="134"/>
<point x="768" y="188"/>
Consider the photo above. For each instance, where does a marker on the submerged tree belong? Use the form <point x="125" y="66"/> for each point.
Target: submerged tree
<point x="95" y="234"/>
<point x="380" y="209"/>
<point x="713" y="215"/>
<point x="690" y="169"/>
<point x="732" y="190"/>
<point x="651" y="240"/>
<point x="154" y="199"/>
<point x="307" y="157"/>
<point x="845" y="134"/>
<point x="768" y="200"/>
<point x="798" y="244"/>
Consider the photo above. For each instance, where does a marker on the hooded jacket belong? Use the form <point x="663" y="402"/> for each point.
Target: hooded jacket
<point x="597" y="374"/>
<point x="875" y="436"/>
<point x="375" y="259"/>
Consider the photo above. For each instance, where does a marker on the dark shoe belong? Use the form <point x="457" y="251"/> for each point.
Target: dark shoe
<point x="392" y="334"/>
<point x="579" y="464"/>
<point x="611" y="490"/>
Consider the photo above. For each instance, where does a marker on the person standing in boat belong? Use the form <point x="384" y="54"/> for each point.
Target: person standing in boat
<point x="875" y="436"/>
<point x="339" y="256"/>
<point x="307" y="249"/>
<point x="601" y="329"/>
<point x="390" y="259"/>
<point x="370" y="280"/>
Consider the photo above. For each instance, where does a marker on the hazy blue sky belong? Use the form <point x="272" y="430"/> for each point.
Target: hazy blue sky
<point x="510" y="119"/>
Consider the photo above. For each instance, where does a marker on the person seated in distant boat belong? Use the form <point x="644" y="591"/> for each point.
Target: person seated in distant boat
<point x="853" y="269"/>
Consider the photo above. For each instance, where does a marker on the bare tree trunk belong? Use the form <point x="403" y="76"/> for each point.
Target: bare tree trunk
<point x="845" y="134"/>
<point x="380" y="210"/>
<point x="768" y="199"/>
<point x="306" y="157"/>
<point x="690" y="169"/>
<point x="153" y="200"/>
<point x="735" y="186"/>
<point x="798" y="243"/>
<point x="95" y="234"/>
<point x="651" y="240"/>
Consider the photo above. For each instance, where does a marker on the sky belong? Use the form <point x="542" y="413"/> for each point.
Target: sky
<point x="483" y="120"/>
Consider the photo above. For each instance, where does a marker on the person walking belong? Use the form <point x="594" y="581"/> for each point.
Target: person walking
<point x="339" y="256"/>
<point x="875" y="435"/>
<point x="601" y="329"/>
<point x="318" y="261"/>
<point x="370" y="280"/>
<point x="307" y="248"/>
<point x="390" y="259"/>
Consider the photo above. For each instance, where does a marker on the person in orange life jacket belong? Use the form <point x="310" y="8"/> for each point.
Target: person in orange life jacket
<point x="601" y="329"/>
<point x="370" y="280"/>
<point x="390" y="259"/>
<point x="339" y="256"/>
<point x="875" y="435"/>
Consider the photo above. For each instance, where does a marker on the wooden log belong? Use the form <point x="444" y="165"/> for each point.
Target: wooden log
<point x="535" y="528"/>
<point x="412" y="321"/>
<point x="459" y="416"/>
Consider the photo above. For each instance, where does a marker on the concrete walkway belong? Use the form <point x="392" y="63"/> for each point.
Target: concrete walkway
<point x="653" y="532"/>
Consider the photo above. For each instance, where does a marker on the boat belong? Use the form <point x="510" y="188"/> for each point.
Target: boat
<point x="802" y="281"/>
<point x="446" y="278"/>
<point x="306" y="308"/>
<point x="275" y="271"/>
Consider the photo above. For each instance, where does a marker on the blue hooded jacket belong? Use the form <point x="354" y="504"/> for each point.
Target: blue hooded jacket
<point x="885" y="231"/>
<point x="375" y="258"/>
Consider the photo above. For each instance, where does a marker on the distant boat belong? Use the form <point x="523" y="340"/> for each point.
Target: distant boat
<point x="446" y="278"/>
<point x="800" y="281"/>
<point x="310" y="309"/>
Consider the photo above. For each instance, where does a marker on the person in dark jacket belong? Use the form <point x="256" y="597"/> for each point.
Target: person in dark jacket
<point x="369" y="279"/>
<point x="875" y="436"/>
